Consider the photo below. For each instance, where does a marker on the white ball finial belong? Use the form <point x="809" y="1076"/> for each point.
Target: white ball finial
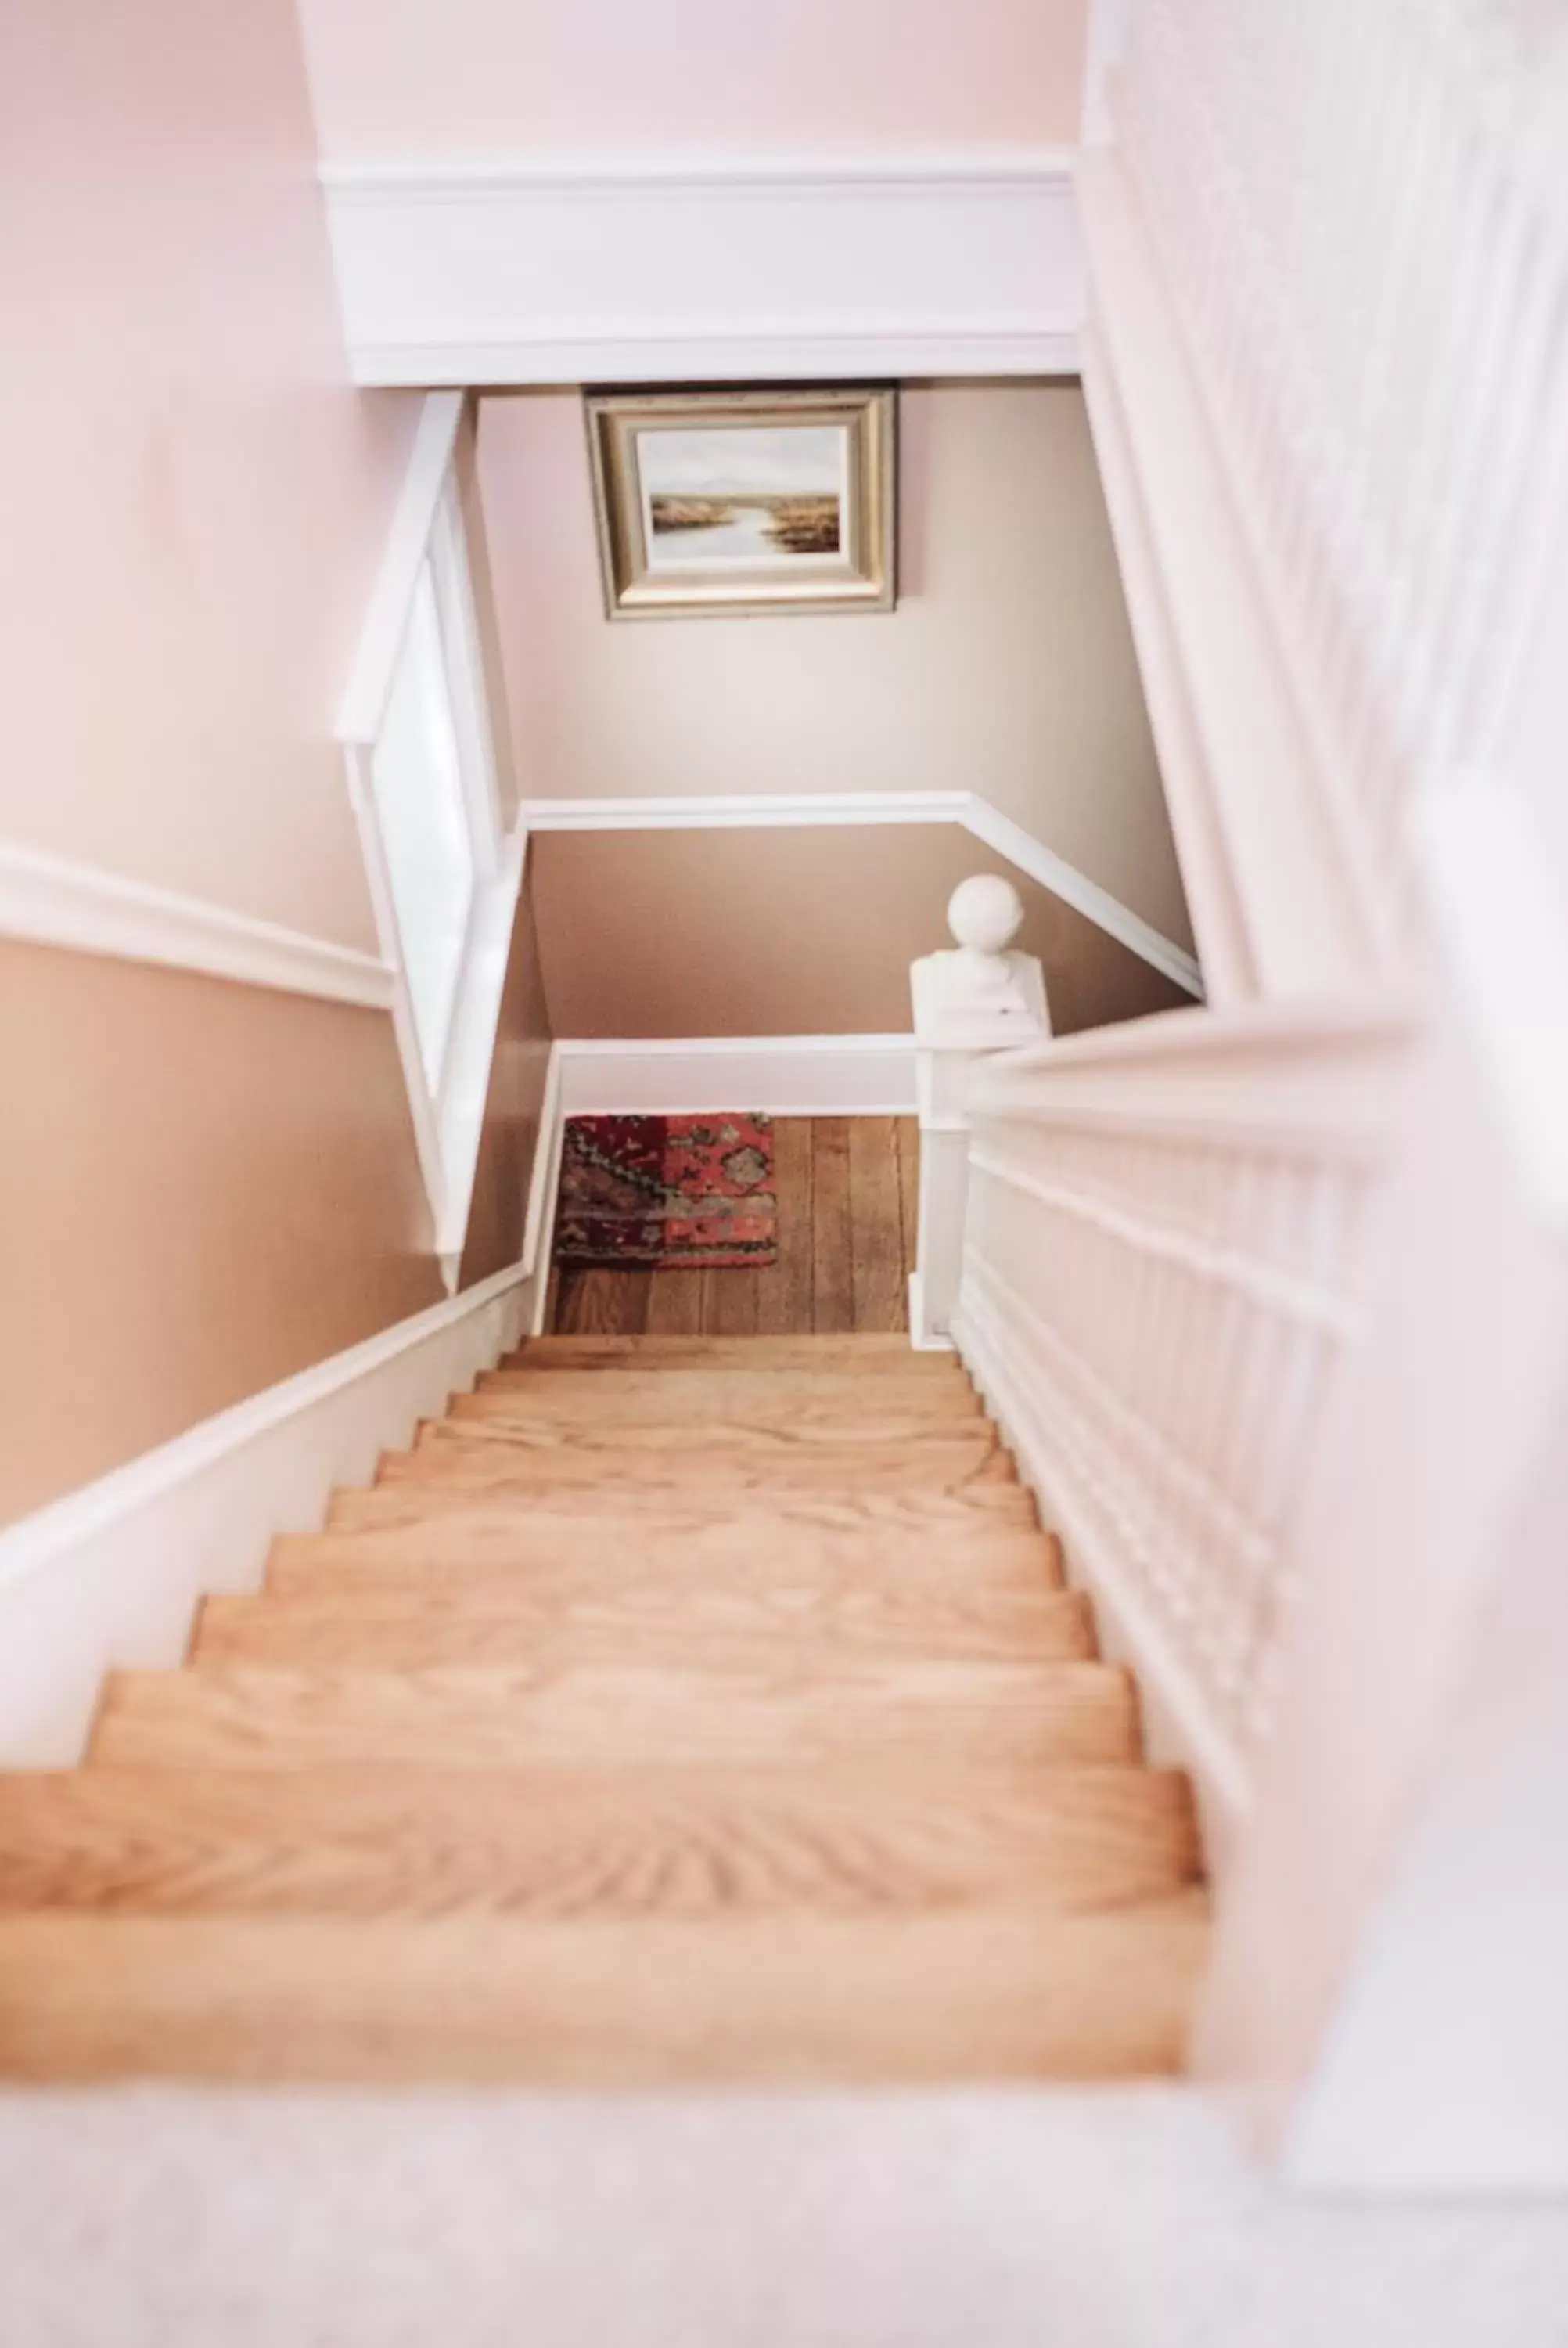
<point x="985" y="914"/>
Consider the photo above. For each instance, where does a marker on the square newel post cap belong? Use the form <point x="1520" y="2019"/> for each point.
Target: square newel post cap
<point x="978" y="996"/>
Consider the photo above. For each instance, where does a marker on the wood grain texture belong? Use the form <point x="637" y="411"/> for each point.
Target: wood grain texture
<point x="425" y="1841"/>
<point x="633" y="1715"/>
<point x="981" y="1504"/>
<point x="784" y="1290"/>
<point x="679" y="1709"/>
<point x="506" y="1618"/>
<point x="878" y="1287"/>
<point x="611" y="1350"/>
<point x="854" y="1548"/>
<point x="1020" y="1993"/>
<point x="465" y="1461"/>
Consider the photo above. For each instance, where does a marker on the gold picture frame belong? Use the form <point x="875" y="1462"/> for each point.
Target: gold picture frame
<point x="726" y="503"/>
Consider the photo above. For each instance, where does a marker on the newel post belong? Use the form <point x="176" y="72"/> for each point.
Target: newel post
<point x="971" y="1000"/>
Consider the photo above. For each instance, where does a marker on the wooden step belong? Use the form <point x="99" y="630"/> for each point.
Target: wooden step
<point x="866" y="1354"/>
<point x="254" y="1716"/>
<point x="472" y="1420"/>
<point x="1010" y="1993"/>
<point x="983" y="1504"/>
<point x="461" y="1546"/>
<point x="468" y="1462"/>
<point x="590" y="1845"/>
<point x="915" y="1404"/>
<point x="586" y="1619"/>
<point x="709" y="1393"/>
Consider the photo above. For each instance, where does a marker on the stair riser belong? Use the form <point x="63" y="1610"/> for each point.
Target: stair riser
<point x="840" y="2001"/>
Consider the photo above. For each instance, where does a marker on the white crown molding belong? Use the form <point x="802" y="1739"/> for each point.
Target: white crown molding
<point x="779" y="811"/>
<point x="777" y="1075"/>
<point x="108" y="1575"/>
<point x="52" y="901"/>
<point x="508" y="271"/>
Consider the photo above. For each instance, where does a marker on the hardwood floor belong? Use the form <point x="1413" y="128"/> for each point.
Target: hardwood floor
<point x="846" y="1200"/>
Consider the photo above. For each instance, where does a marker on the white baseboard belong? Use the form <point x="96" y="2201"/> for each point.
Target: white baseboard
<point x="923" y="1338"/>
<point x="1177" y="1729"/>
<point x="777" y="1075"/>
<point x="519" y="271"/>
<point x="110" y="1575"/>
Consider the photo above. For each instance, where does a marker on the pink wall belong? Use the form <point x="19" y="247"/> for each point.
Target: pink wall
<point x="194" y="499"/>
<point x="204" y="1185"/>
<point x="395" y="77"/>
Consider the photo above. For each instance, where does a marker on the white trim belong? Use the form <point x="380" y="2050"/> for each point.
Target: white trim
<point x="110" y="1575"/>
<point x="538" y="1219"/>
<point x="471" y="1050"/>
<point x="747" y="810"/>
<point x="777" y="1076"/>
<point x="544" y="1190"/>
<point x="408" y="541"/>
<point x="51" y="901"/>
<point x="513" y="271"/>
<point x="1178" y="1725"/>
<point x="448" y="1116"/>
<point x="781" y="810"/>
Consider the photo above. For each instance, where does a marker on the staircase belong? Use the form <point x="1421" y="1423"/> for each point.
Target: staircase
<point x="675" y="1710"/>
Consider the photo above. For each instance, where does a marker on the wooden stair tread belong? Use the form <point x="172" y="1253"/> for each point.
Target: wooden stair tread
<point x="866" y="1354"/>
<point x="672" y="1711"/>
<point x="984" y="1502"/>
<point x="834" y="1433"/>
<point x="593" y="1843"/>
<point x="934" y="1463"/>
<point x="268" y="1716"/>
<point x="547" y="1548"/>
<point x="703" y="1389"/>
<point x="500" y="1620"/>
<point x="1000" y="1993"/>
<point x="858" y="1417"/>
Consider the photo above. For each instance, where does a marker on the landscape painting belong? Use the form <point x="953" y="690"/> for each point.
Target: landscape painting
<point x="747" y="494"/>
<point x="740" y="503"/>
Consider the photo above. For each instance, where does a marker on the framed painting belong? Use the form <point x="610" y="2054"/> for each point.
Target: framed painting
<point x="724" y="503"/>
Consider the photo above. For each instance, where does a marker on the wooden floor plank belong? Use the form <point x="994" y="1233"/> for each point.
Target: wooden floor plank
<point x="832" y="1232"/>
<point x="674" y="1304"/>
<point x="730" y="1301"/>
<point x="876" y="1242"/>
<point x="598" y="1303"/>
<point x="784" y="1287"/>
<point x="908" y="1140"/>
<point x="613" y="1351"/>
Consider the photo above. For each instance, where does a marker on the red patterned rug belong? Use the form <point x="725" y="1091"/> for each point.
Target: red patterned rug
<point x="680" y="1191"/>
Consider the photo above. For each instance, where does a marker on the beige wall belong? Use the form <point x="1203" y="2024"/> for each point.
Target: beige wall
<point x="1008" y="668"/>
<point x="517" y="1094"/>
<point x="788" y="933"/>
<point x="203" y="1188"/>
